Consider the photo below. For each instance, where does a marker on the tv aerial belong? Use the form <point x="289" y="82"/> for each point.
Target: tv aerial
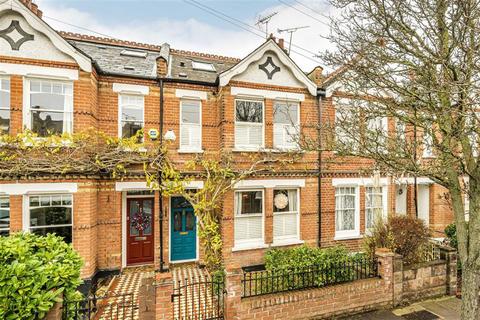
<point x="264" y="21"/>
<point x="291" y="31"/>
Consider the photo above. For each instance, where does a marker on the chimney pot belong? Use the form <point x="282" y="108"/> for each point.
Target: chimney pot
<point x="281" y="43"/>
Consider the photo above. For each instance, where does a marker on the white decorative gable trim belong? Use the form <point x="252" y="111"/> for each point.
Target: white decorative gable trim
<point x="29" y="188"/>
<point x="190" y="94"/>
<point x="274" y="183"/>
<point x="130" y="88"/>
<point x="40" y="25"/>
<point x="268" y="94"/>
<point x="256" y="55"/>
<point x="38" y="71"/>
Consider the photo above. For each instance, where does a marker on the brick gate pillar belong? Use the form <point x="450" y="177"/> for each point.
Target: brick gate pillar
<point x="163" y="293"/>
<point x="234" y="293"/>
<point x="390" y="269"/>
<point x="450" y="256"/>
<point x="146" y="299"/>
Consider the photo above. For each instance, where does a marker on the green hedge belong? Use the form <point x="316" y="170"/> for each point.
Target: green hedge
<point x="34" y="271"/>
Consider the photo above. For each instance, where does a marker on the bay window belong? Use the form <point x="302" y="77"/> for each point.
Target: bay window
<point x="248" y="218"/>
<point x="285" y="215"/>
<point x="190" y="125"/>
<point x="131" y="115"/>
<point x="4" y="215"/>
<point x="50" y="107"/>
<point x="51" y="213"/>
<point x="249" y="124"/>
<point x="285" y="125"/>
<point x="4" y="106"/>
<point x="347" y="219"/>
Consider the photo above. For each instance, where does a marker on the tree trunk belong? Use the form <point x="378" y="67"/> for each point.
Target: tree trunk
<point x="470" y="294"/>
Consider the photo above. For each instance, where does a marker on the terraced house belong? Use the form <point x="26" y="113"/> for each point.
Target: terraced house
<point x="61" y="82"/>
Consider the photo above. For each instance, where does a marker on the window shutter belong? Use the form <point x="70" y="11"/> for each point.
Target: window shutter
<point x="191" y="137"/>
<point x="255" y="135"/>
<point x="285" y="225"/>
<point x="241" y="135"/>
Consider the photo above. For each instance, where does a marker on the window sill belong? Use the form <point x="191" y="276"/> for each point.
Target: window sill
<point x="190" y="151"/>
<point x="252" y="246"/>
<point x="253" y="149"/>
<point x="348" y="237"/>
<point x="289" y="242"/>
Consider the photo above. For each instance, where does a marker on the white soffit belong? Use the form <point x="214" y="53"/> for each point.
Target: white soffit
<point x="411" y="180"/>
<point x="131" y="185"/>
<point x="38" y="24"/>
<point x="190" y="94"/>
<point x="269" y="45"/>
<point x="277" y="183"/>
<point x="268" y="94"/>
<point x="38" y="71"/>
<point x="130" y="88"/>
<point x="28" y="188"/>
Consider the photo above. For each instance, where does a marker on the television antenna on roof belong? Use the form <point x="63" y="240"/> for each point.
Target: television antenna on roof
<point x="291" y="31"/>
<point x="265" y="20"/>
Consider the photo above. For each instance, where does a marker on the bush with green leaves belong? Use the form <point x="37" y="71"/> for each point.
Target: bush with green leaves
<point x="34" y="272"/>
<point x="305" y="266"/>
<point x="451" y="233"/>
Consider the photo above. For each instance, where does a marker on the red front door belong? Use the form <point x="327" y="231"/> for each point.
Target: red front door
<point x="140" y="230"/>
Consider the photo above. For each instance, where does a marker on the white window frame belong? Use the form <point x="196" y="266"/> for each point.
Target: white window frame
<point x="9" y="212"/>
<point x="282" y="126"/>
<point x="384" y="193"/>
<point x="9" y="102"/>
<point x="287" y="239"/>
<point x="68" y="108"/>
<point x="251" y="243"/>
<point x="120" y="110"/>
<point x="26" y="211"/>
<point x="237" y="123"/>
<point x="427" y="144"/>
<point x="340" y="135"/>
<point x="193" y="149"/>
<point x="349" y="234"/>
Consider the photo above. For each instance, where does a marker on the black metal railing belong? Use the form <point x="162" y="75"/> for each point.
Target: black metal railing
<point x="257" y="283"/>
<point x="199" y="299"/>
<point x="117" y="306"/>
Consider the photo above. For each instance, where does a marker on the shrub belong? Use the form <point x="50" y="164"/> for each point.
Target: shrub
<point x="404" y="235"/>
<point x="34" y="271"/>
<point x="296" y="268"/>
<point x="451" y="232"/>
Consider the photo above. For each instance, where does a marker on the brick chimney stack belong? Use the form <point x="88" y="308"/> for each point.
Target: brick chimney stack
<point x="33" y="7"/>
<point x="281" y="43"/>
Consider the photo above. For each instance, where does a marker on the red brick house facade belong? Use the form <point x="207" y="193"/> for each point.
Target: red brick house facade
<point x="64" y="82"/>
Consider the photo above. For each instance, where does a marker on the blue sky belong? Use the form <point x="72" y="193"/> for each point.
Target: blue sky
<point x="185" y="26"/>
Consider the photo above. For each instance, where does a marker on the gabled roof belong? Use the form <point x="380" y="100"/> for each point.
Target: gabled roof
<point x="32" y="15"/>
<point x="257" y="54"/>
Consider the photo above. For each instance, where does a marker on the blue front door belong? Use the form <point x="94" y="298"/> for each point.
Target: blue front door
<point x="183" y="231"/>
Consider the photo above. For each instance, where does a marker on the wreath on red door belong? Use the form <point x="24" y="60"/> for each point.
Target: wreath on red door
<point x="141" y="221"/>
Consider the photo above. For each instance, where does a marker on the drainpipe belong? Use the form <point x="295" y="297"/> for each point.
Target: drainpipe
<point x="320" y="94"/>
<point x="415" y="192"/>
<point x="160" y="198"/>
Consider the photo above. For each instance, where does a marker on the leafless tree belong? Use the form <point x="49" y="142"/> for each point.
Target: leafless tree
<point x="416" y="63"/>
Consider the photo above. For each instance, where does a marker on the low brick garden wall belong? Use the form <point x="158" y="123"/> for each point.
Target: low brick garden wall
<point x="396" y="284"/>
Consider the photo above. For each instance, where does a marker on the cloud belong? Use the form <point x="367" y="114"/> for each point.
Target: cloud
<point x="192" y="34"/>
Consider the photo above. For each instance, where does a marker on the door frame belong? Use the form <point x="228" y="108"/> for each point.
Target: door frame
<point x="124" y="225"/>
<point x="170" y="221"/>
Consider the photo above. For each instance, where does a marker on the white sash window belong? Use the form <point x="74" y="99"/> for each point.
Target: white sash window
<point x="49" y="107"/>
<point x="4" y="106"/>
<point x="375" y="205"/>
<point x="285" y="125"/>
<point x="249" y="124"/>
<point x="285" y="215"/>
<point x="131" y="114"/>
<point x="190" y="125"/>
<point x="248" y="218"/>
<point x="347" y="213"/>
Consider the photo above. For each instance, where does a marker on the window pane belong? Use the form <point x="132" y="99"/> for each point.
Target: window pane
<point x="129" y="129"/>
<point x="249" y="111"/>
<point x="46" y="123"/>
<point x="284" y="200"/>
<point x="345" y="208"/>
<point x="5" y="99"/>
<point x="4" y="233"/>
<point x="46" y="216"/>
<point x="191" y="112"/>
<point x="147" y="210"/>
<point x="190" y="221"/>
<point x="65" y="232"/>
<point x="286" y="113"/>
<point x="134" y="210"/>
<point x="67" y="199"/>
<point x="4" y="121"/>
<point x="250" y="202"/>
<point x="4" y="212"/>
<point x="132" y="114"/>
<point x="47" y="101"/>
